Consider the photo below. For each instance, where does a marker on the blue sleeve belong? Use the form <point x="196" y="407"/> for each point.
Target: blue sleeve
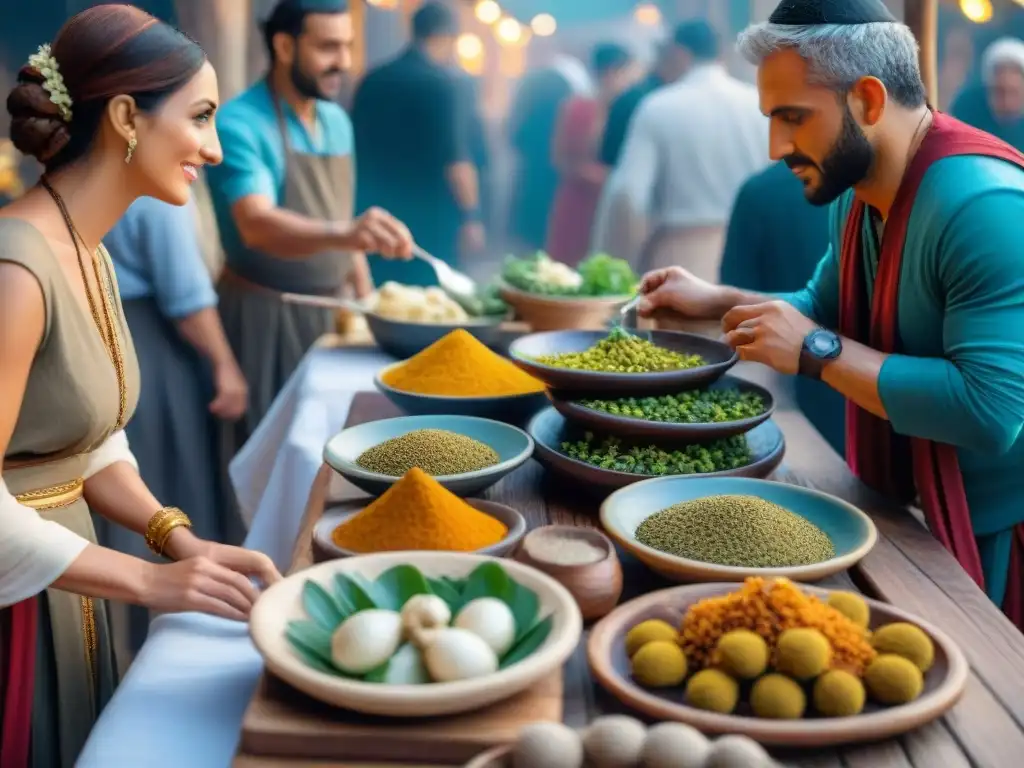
<point x="741" y="258"/>
<point x="245" y="169"/>
<point x="169" y="251"/>
<point x="973" y="396"/>
<point x="820" y="299"/>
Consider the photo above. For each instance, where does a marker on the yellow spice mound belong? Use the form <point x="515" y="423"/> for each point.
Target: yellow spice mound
<point x="459" y="365"/>
<point x="417" y="512"/>
<point x="769" y="609"/>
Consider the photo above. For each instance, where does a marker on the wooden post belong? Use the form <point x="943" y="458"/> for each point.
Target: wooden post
<point x="358" y="8"/>
<point x="922" y="16"/>
<point x="221" y="27"/>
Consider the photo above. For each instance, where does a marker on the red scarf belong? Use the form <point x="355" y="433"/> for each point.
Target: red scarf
<point x="891" y="463"/>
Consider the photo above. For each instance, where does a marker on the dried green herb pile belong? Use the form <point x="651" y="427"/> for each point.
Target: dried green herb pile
<point x="694" y="407"/>
<point x="623" y="352"/>
<point x="742" y="531"/>
<point x="639" y="459"/>
<point x="437" y="452"/>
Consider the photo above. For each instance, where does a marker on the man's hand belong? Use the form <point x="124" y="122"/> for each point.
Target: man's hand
<point x="377" y="231"/>
<point x="771" y="333"/>
<point x="675" y="290"/>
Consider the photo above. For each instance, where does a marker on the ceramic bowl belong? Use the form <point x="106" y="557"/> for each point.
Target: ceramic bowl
<point x="555" y="313"/>
<point x="282" y="603"/>
<point x="606" y="652"/>
<point x="623" y="426"/>
<point x="499" y="757"/>
<point x="525" y="350"/>
<point x="326" y="549"/>
<point x="512" y="445"/>
<point x="403" y="339"/>
<point x="511" y="409"/>
<point x="596" y="585"/>
<point x="853" y="534"/>
<point x="549" y="429"/>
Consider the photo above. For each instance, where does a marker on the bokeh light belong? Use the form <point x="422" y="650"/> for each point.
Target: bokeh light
<point x="978" y="11"/>
<point x="488" y="11"/>
<point x="544" y="24"/>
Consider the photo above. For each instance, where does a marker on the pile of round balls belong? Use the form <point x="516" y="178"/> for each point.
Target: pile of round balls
<point x="618" y="741"/>
<point x="796" y="675"/>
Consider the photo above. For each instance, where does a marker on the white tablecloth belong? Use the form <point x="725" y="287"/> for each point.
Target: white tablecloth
<point x="182" y="701"/>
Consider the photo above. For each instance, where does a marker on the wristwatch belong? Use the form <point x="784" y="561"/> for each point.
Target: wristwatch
<point x="820" y="348"/>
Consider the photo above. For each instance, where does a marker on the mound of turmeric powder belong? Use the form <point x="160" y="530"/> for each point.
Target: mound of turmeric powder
<point x="460" y="365"/>
<point x="418" y="513"/>
<point x="769" y="609"/>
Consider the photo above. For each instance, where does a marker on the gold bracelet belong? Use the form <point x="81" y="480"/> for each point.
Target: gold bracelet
<point x="161" y="525"/>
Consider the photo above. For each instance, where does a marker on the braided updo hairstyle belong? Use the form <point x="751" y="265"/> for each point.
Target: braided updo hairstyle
<point x="102" y="52"/>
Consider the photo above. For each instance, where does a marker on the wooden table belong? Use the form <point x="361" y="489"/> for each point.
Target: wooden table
<point x="907" y="568"/>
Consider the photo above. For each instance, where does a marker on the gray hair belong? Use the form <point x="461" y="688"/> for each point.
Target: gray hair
<point x="1006" y="51"/>
<point x="838" y="55"/>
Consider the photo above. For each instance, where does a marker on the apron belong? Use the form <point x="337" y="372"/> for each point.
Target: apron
<point x="268" y="336"/>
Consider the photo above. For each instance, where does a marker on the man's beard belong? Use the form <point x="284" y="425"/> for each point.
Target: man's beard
<point x="307" y="85"/>
<point x="846" y="164"/>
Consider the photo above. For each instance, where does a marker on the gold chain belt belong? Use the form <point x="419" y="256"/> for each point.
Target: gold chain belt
<point x="60" y="495"/>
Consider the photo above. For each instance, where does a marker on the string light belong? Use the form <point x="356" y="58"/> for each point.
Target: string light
<point x="544" y="24"/>
<point x="469" y="47"/>
<point x="384" y="5"/>
<point x="978" y="11"/>
<point x="488" y="11"/>
<point x="648" y="14"/>
<point x="509" y="30"/>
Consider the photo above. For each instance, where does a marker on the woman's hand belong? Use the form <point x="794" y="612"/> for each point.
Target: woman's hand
<point x="198" y="584"/>
<point x="183" y="545"/>
<point x="232" y="392"/>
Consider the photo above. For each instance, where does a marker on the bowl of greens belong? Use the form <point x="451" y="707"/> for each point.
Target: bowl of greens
<point x="415" y="634"/>
<point x="601" y="462"/>
<point x="549" y="295"/>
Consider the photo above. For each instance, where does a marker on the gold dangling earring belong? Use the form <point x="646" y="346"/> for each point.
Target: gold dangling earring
<point x="132" y="144"/>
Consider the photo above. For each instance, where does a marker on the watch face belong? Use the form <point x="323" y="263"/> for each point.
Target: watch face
<point x="822" y="344"/>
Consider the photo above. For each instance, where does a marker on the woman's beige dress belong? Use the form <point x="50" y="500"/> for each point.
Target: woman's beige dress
<point x="71" y="404"/>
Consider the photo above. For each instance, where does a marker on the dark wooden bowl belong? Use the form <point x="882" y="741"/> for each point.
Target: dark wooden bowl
<point x="606" y="652"/>
<point x="549" y="429"/>
<point x="656" y="431"/>
<point x="720" y="358"/>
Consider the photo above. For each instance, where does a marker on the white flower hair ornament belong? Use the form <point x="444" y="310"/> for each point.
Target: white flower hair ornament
<point x="44" y="62"/>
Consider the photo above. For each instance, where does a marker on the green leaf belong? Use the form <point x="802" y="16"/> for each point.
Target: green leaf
<point x="487" y="580"/>
<point x="351" y="595"/>
<point x="313" y="643"/>
<point x="398" y="584"/>
<point x="445" y="591"/>
<point x="378" y="675"/>
<point x="529" y="643"/>
<point x="321" y="607"/>
<point x="525" y="605"/>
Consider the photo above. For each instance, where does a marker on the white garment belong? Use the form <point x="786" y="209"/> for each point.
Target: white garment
<point x="35" y="552"/>
<point x="689" y="148"/>
<point x="575" y="73"/>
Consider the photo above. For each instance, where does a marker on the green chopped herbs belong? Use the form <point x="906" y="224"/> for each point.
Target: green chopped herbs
<point x="741" y="531"/>
<point x="437" y="452"/>
<point x="712" y="406"/>
<point x="622" y="352"/>
<point x="615" y="454"/>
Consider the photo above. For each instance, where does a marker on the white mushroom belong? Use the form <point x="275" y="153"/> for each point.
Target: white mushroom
<point x="490" y="619"/>
<point x="424" y="612"/>
<point x="675" y="745"/>
<point x="455" y="654"/>
<point x="737" y="752"/>
<point x="547" y="745"/>
<point x="366" y="640"/>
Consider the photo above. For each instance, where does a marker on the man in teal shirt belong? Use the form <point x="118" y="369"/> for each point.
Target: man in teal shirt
<point x="773" y="245"/>
<point x="938" y="364"/>
<point x="284" y="199"/>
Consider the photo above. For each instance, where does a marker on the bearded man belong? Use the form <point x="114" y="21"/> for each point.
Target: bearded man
<point x="916" y="312"/>
<point x="284" y="198"/>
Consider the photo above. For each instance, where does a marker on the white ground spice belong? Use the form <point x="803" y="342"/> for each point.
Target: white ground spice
<point x="563" y="550"/>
